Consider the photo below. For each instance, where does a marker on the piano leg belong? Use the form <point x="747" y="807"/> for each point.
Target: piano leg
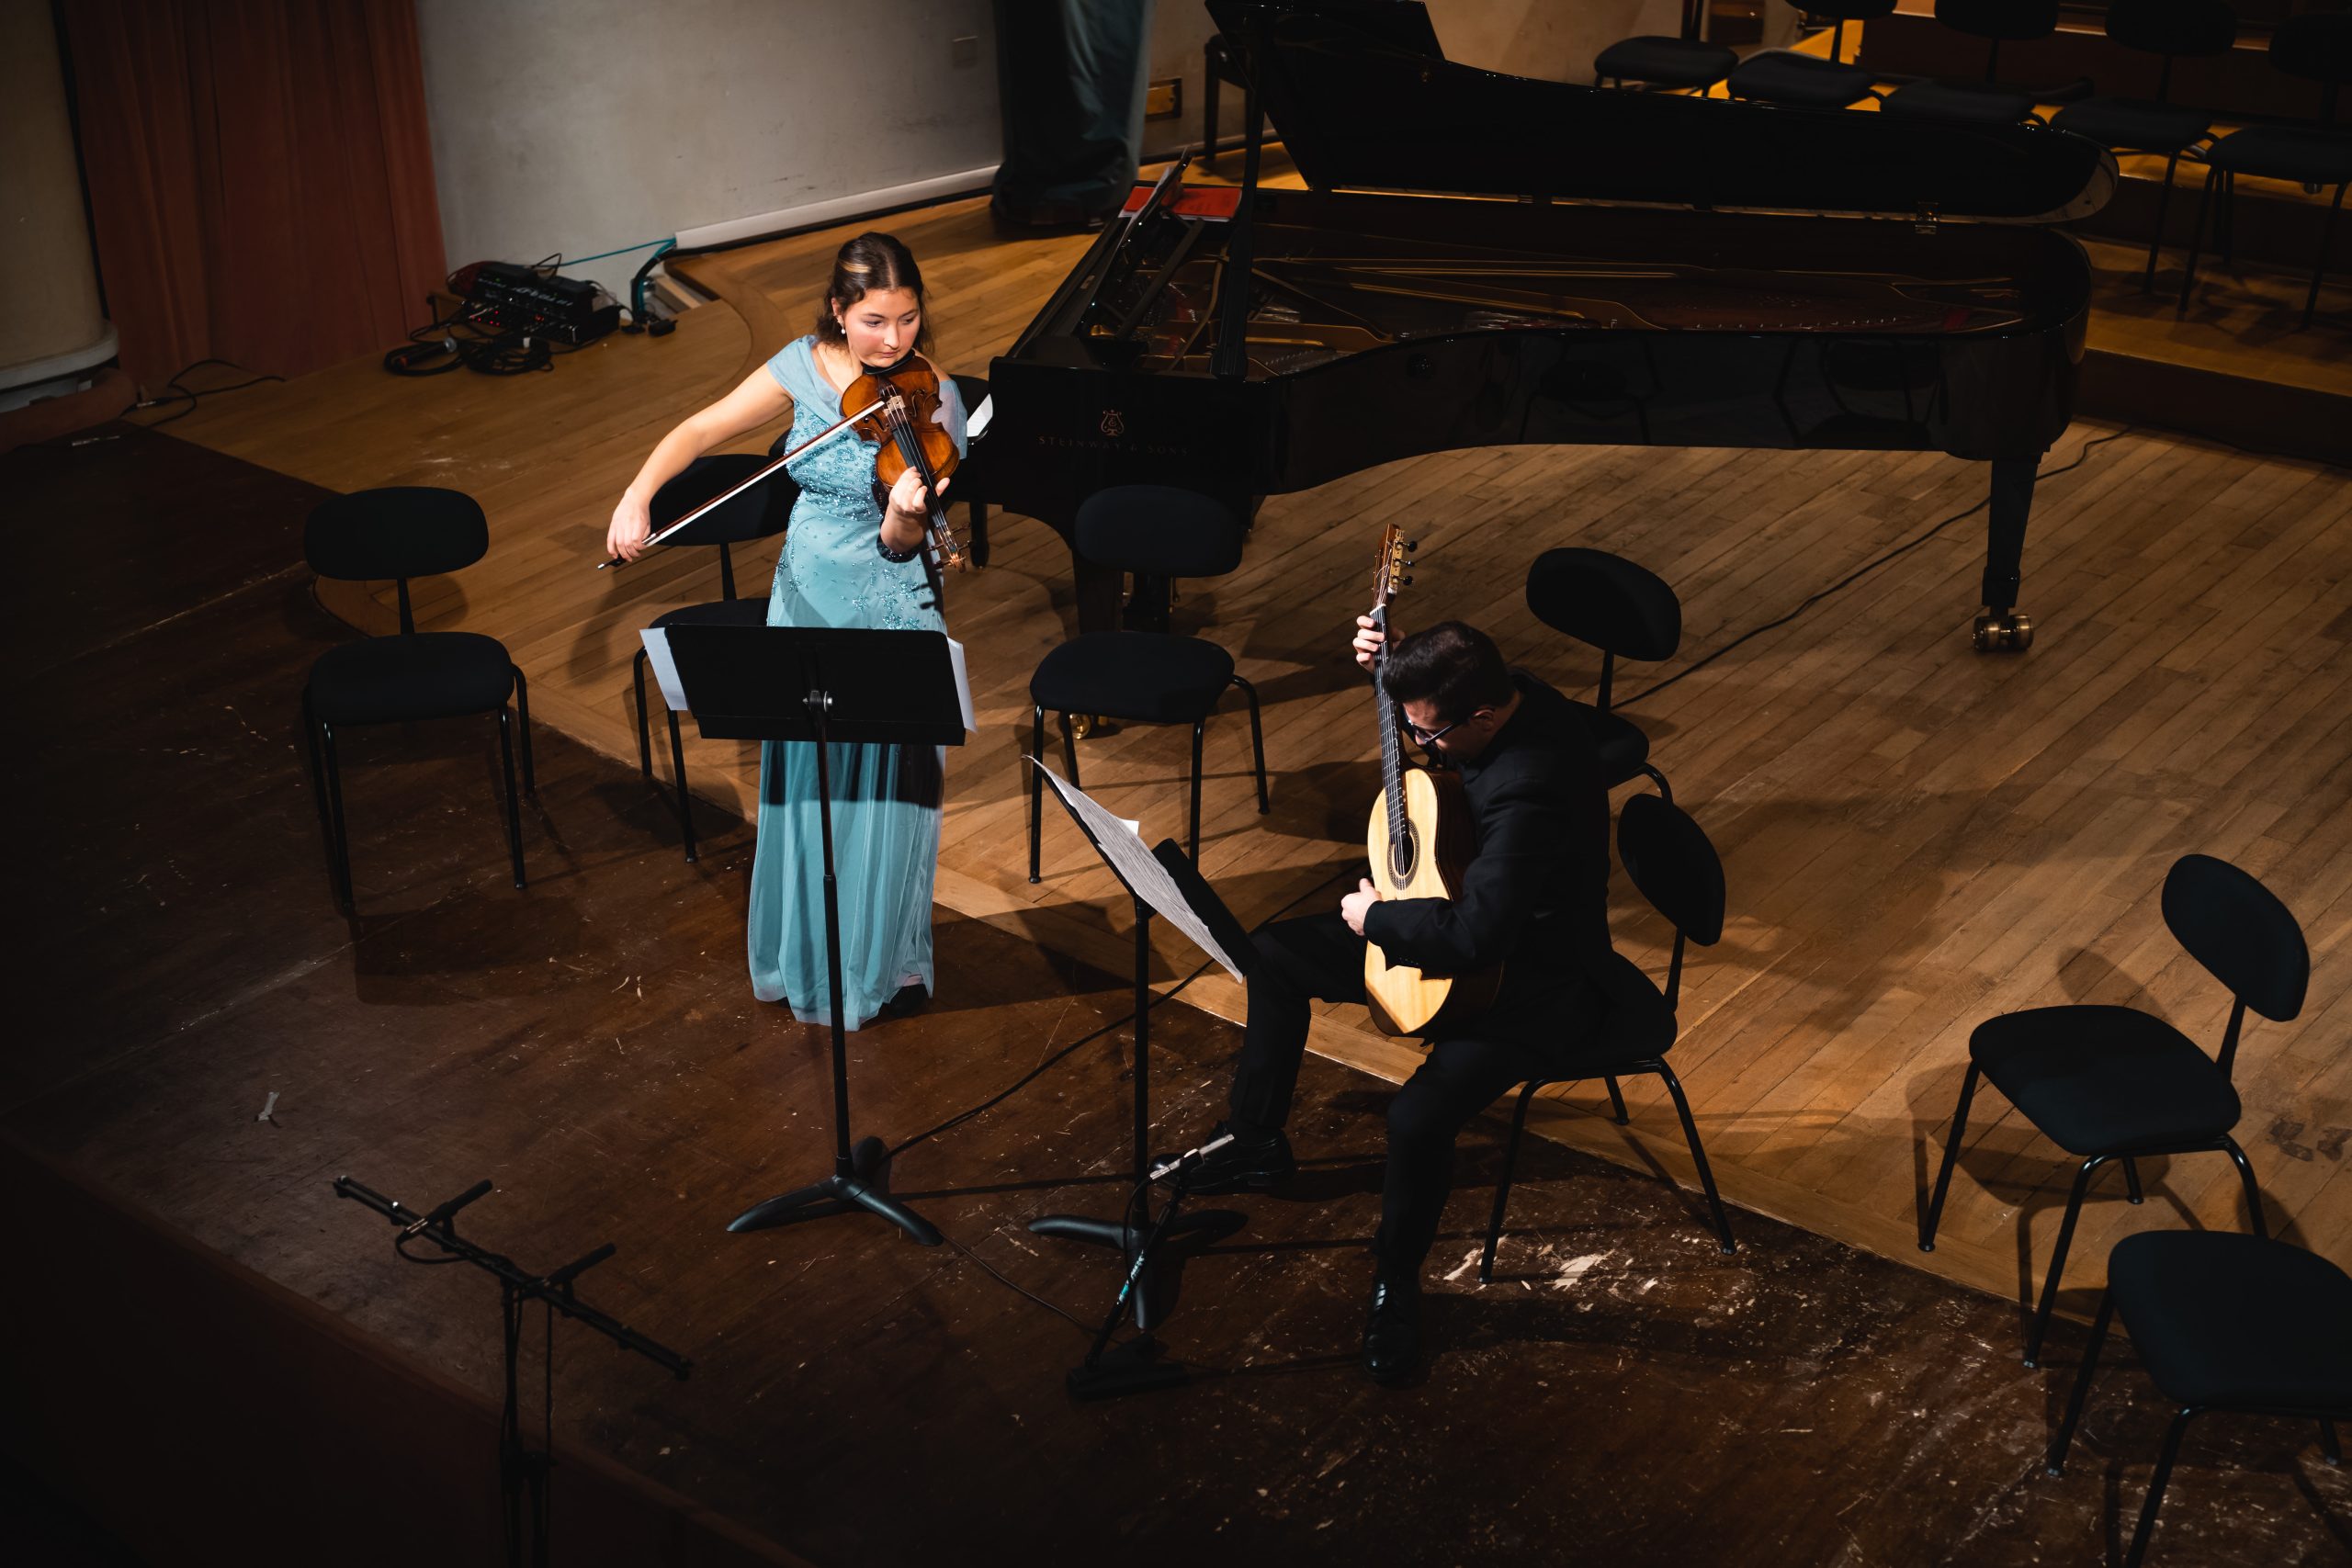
<point x="2001" y="628"/>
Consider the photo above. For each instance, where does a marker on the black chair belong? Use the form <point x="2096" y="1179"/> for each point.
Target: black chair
<point x="1670" y="859"/>
<point x="1151" y="677"/>
<point x="1785" y="76"/>
<point x="2169" y="30"/>
<point x="1989" y="100"/>
<point x="400" y="533"/>
<point x="2113" y="1083"/>
<point x="2223" y="1322"/>
<point x="759" y="513"/>
<point x="1624" y="610"/>
<point x="1688" y="61"/>
<point x="2318" y="48"/>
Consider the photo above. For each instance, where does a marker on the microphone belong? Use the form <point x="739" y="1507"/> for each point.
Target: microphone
<point x="477" y="1189"/>
<point x="1189" y="1156"/>
<point x="577" y="1266"/>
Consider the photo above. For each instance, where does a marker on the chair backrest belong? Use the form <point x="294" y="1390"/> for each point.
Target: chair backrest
<point x="2318" y="48"/>
<point x="2237" y="927"/>
<point x="1999" y="21"/>
<point x="1608" y="601"/>
<point x="1159" y="529"/>
<point x="1670" y="860"/>
<point x="400" y="532"/>
<point x="2172" y="28"/>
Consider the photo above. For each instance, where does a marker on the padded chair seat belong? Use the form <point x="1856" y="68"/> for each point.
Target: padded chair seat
<point x="1623" y="746"/>
<point x="1152" y="676"/>
<point x="2236" y="1321"/>
<point x="384" y="680"/>
<point x="2304" y="153"/>
<point x="1971" y="103"/>
<point x="1780" y="77"/>
<point x="2140" y="124"/>
<point x="1639" y="1026"/>
<point x="1668" y="62"/>
<point x="2104" y="1080"/>
<point x="717" y="613"/>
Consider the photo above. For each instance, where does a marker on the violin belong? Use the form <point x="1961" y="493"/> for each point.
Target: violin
<point x="904" y="420"/>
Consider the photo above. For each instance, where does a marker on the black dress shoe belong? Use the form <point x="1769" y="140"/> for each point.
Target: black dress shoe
<point x="1392" y="1339"/>
<point x="1246" y="1163"/>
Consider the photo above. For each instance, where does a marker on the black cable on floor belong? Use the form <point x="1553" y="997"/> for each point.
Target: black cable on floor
<point x="1858" y="574"/>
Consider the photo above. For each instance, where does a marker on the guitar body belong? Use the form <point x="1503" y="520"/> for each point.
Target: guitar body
<point x="1424" y="859"/>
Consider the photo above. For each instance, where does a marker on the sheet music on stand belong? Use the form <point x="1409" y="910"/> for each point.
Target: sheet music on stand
<point x="1122" y="844"/>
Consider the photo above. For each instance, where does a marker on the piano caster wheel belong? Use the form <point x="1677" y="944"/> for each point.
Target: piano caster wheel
<point x="2007" y="633"/>
<point x="1086" y="725"/>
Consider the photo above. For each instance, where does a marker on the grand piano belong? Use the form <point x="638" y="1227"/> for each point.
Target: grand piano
<point x="1489" y="260"/>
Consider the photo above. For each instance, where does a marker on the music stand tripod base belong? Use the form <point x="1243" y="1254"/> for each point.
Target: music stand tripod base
<point x="865" y="1185"/>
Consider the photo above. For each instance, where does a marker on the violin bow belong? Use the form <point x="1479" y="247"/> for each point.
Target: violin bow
<point x="792" y="457"/>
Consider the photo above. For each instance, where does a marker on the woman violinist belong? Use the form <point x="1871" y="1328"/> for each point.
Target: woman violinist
<point x="850" y="559"/>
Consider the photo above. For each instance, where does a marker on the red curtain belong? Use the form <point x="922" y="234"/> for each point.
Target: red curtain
<point x="260" y="177"/>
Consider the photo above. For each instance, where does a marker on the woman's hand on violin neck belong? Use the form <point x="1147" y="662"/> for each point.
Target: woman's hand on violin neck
<point x="632" y="522"/>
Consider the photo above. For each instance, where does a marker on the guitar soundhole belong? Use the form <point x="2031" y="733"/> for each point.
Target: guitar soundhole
<point x="1404" y="853"/>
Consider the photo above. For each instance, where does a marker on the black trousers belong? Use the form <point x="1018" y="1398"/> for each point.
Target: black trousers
<point x="1317" y="957"/>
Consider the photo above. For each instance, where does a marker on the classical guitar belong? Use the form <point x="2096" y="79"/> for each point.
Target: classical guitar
<point x="1419" y="838"/>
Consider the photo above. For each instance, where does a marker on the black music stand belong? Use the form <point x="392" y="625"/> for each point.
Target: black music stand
<point x="1163" y="881"/>
<point x="818" y="685"/>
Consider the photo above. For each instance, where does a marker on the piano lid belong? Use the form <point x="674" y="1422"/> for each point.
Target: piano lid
<point x="1364" y="99"/>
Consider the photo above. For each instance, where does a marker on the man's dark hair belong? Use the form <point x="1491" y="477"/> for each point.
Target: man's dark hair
<point x="1456" y="667"/>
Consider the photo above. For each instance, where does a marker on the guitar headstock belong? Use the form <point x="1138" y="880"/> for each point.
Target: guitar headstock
<point x="1389" y="566"/>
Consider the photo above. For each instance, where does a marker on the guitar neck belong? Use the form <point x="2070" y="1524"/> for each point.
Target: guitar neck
<point x="1392" y="752"/>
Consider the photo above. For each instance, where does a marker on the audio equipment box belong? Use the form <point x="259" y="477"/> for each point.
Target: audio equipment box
<point x="502" y="297"/>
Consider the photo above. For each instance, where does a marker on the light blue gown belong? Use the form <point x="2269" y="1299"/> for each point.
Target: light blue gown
<point x="886" y="799"/>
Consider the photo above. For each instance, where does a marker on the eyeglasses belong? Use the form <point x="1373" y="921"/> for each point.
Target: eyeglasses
<point x="1428" y="737"/>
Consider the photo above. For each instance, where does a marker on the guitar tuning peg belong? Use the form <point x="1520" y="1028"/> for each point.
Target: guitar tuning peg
<point x="1412" y="543"/>
<point x="1409" y="560"/>
<point x="1406" y="582"/>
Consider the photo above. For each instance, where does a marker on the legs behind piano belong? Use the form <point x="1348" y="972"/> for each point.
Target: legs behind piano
<point x="2001" y="629"/>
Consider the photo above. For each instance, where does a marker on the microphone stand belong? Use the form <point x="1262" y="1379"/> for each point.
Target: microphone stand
<point x="521" y="1475"/>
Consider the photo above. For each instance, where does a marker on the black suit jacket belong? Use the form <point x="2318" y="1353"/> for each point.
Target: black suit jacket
<point x="1535" y="898"/>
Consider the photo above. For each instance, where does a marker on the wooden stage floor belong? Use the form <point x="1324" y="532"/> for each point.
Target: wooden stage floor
<point x="1917" y="836"/>
<point x="1623" y="1393"/>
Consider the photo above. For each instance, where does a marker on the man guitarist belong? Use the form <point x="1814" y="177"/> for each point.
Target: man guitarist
<point x="1534" y="900"/>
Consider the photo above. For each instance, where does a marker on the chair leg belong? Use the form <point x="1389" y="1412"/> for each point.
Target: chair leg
<point x="2196" y="241"/>
<point x="644" y="720"/>
<point x="1502" y="1184"/>
<point x="1665" y="790"/>
<point x="1070" y="750"/>
<point x="2245" y="1180"/>
<point x="2156" y="238"/>
<point x="2227" y="219"/>
<point x="1257" y="743"/>
<point x="1198" y="724"/>
<point x="685" y="801"/>
<point x="2327" y="1443"/>
<point x="2058" y="1259"/>
<point x="2057" y="1462"/>
<point x="1616" y="1103"/>
<point x="340" y="852"/>
<point x="2131" y="1181"/>
<point x="318" y="770"/>
<point x="1698" y="1155"/>
<point x="1037" y="788"/>
<point x="2133" y="1553"/>
<point x="513" y="807"/>
<point x="1952" y="1157"/>
<point x="2326" y="232"/>
<point x="523" y="723"/>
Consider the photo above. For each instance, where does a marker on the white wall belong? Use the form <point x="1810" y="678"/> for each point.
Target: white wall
<point x="586" y="125"/>
<point x="49" y="291"/>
